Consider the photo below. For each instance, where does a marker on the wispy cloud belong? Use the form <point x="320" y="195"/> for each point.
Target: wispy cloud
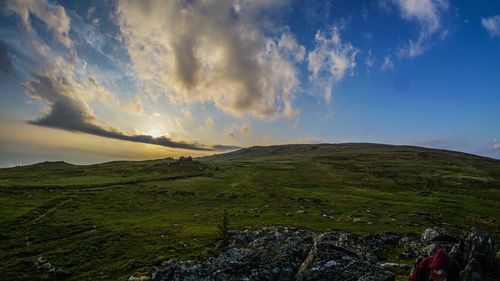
<point x="492" y="25"/>
<point x="369" y="60"/>
<point x="387" y="64"/>
<point x="496" y="143"/>
<point x="246" y="129"/>
<point x="209" y="123"/>
<point x="330" y="61"/>
<point x="232" y="131"/>
<point x="428" y="14"/>
<point x="53" y="16"/>
<point x="235" y="130"/>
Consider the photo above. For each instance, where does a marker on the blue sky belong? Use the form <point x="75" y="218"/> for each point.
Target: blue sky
<point x="91" y="81"/>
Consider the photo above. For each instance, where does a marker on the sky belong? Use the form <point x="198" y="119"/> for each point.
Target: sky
<point x="94" y="81"/>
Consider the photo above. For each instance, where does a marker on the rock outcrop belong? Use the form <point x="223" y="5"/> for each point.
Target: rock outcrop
<point x="474" y="251"/>
<point x="298" y="254"/>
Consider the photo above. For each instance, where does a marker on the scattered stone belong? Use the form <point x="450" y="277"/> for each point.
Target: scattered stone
<point x="331" y="263"/>
<point x="139" y="278"/>
<point x="184" y="245"/>
<point x="135" y="264"/>
<point x="43" y="265"/>
<point x="391" y="266"/>
<point x="356" y="220"/>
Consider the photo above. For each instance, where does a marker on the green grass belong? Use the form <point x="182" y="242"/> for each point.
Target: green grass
<point x="96" y="220"/>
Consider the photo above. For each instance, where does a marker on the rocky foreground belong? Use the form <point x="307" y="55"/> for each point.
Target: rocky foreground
<point x="298" y="254"/>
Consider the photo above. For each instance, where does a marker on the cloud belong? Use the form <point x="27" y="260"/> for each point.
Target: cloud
<point x="5" y="61"/>
<point x="496" y="143"/>
<point x="492" y="25"/>
<point x="68" y="111"/>
<point x="291" y="48"/>
<point x="330" y="61"/>
<point x="387" y="64"/>
<point x="221" y="147"/>
<point x="234" y="131"/>
<point x="229" y="53"/>
<point x="245" y="129"/>
<point x="64" y="84"/>
<point x="134" y="106"/>
<point x="209" y="123"/>
<point x="296" y="124"/>
<point x="53" y="16"/>
<point x="429" y="16"/>
<point x="369" y="60"/>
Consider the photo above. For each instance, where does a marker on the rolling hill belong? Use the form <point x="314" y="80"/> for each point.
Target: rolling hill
<point x="108" y="221"/>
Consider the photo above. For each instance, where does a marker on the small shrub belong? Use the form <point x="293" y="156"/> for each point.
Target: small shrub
<point x="224" y="237"/>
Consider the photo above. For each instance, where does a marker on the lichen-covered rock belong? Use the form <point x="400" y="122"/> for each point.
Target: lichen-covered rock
<point x="438" y="234"/>
<point x="476" y="254"/>
<point x="287" y="253"/>
<point x="474" y="251"/>
<point x="278" y="254"/>
<point x="333" y="262"/>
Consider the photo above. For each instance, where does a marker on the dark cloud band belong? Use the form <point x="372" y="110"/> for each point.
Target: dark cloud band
<point x="68" y="112"/>
<point x="84" y="127"/>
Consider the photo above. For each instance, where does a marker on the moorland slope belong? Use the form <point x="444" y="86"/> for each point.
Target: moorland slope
<point x="108" y="221"/>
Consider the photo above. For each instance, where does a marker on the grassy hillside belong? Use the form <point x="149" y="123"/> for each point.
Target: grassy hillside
<point x="100" y="222"/>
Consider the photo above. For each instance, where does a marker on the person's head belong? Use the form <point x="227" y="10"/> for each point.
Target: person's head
<point x="439" y="265"/>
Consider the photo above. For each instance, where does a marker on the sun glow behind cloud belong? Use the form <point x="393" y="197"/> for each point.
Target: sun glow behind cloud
<point x="35" y="144"/>
<point x="156" y="132"/>
<point x="197" y="74"/>
<point x="233" y="61"/>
